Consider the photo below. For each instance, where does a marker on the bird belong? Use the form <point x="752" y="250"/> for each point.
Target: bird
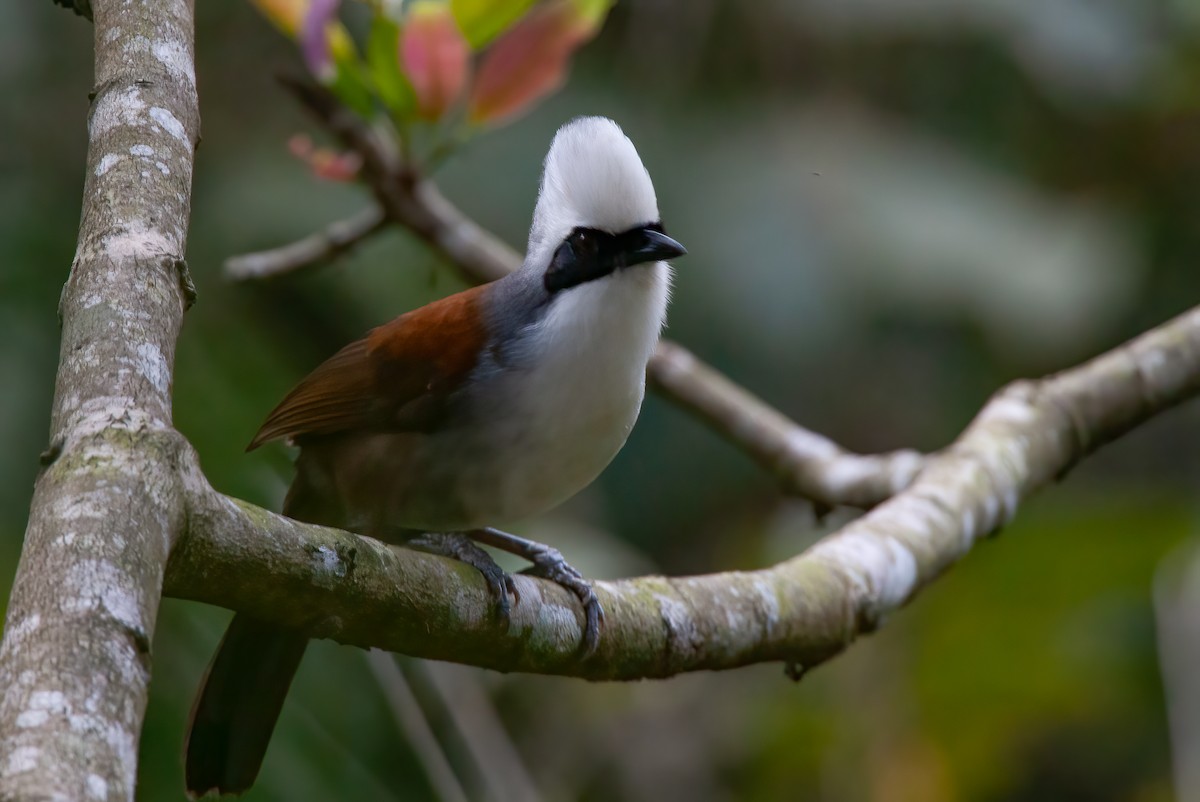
<point x="480" y="409"/>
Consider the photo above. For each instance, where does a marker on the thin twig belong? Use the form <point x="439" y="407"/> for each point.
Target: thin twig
<point x="807" y="463"/>
<point x="365" y="776"/>
<point x="413" y="724"/>
<point x="478" y="725"/>
<point x="1177" y="614"/>
<point x="315" y="249"/>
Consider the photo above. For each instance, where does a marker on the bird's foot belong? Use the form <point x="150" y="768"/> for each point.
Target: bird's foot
<point x="548" y="563"/>
<point x="462" y="548"/>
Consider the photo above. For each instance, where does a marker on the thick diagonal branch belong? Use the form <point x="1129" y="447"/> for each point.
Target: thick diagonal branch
<point x="801" y="611"/>
<point x="74" y="665"/>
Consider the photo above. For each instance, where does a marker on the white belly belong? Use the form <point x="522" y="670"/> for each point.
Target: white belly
<point x="568" y="417"/>
<point x="537" y="461"/>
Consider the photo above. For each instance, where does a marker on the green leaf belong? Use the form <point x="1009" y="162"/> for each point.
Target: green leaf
<point x="352" y="87"/>
<point x="594" y="11"/>
<point x="383" y="61"/>
<point x="481" y="21"/>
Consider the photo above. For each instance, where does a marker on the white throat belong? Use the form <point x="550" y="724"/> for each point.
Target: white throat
<point x="602" y="332"/>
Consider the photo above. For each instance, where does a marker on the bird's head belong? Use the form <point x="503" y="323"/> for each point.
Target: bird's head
<point x="596" y="212"/>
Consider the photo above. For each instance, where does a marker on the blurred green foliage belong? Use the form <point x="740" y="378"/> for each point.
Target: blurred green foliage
<point x="891" y="210"/>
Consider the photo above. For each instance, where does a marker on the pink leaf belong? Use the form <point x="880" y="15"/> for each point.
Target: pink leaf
<point x="325" y="163"/>
<point x="332" y="166"/>
<point x="435" y="56"/>
<point x="300" y="146"/>
<point x="531" y="60"/>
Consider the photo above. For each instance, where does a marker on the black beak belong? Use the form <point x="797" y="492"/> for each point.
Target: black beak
<point x="649" y="245"/>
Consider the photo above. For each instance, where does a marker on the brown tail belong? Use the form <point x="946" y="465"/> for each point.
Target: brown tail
<point x="235" y="714"/>
<point x="242" y="693"/>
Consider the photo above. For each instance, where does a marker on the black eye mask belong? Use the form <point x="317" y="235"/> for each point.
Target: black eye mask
<point x="588" y="254"/>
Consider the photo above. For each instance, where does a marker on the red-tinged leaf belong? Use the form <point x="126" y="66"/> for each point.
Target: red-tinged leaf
<point x="300" y="146"/>
<point x="325" y="163"/>
<point x="331" y="166"/>
<point x="435" y="57"/>
<point x="530" y="61"/>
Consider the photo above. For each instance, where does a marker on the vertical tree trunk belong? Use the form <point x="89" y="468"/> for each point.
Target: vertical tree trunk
<point x="75" y="662"/>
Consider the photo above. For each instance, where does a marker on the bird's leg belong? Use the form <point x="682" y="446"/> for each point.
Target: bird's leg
<point x="549" y="563"/>
<point x="462" y="548"/>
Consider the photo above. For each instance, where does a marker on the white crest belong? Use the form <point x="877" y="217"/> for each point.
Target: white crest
<point x="593" y="178"/>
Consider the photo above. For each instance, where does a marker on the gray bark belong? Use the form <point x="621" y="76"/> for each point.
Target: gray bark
<point x="75" y="662"/>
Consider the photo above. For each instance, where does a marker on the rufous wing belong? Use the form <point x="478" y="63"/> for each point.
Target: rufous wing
<point x="397" y="378"/>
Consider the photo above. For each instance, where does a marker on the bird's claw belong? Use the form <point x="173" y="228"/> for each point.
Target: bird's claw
<point x="549" y="563"/>
<point x="501" y="585"/>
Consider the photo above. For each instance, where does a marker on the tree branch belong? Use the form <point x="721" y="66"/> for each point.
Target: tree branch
<point x="803" y="611"/>
<point x="334" y="239"/>
<point x="806" y="463"/>
<point x="74" y="664"/>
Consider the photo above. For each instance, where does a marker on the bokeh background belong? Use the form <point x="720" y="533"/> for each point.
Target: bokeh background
<point x="892" y="208"/>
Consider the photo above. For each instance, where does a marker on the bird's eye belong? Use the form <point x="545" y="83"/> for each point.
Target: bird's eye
<point x="584" y="241"/>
